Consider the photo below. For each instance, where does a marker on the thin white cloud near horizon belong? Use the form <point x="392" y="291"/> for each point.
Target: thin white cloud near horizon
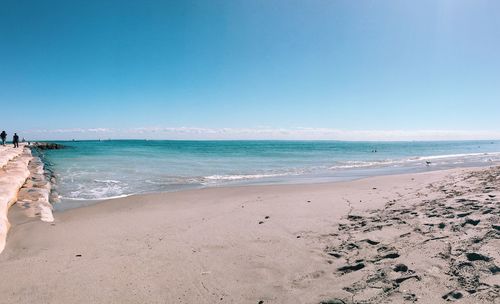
<point x="264" y="133"/>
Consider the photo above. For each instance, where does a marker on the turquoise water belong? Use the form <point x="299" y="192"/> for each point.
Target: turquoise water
<point x="93" y="170"/>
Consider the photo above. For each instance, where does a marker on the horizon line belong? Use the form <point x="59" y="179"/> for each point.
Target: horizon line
<point x="257" y="133"/>
<point x="492" y="140"/>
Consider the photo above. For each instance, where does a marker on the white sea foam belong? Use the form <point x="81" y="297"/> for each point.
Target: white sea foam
<point x="182" y="166"/>
<point x="236" y="177"/>
<point x="112" y="188"/>
<point x="105" y="189"/>
<point x="493" y="154"/>
<point x="364" y="164"/>
<point x="107" y="181"/>
<point x="95" y="198"/>
<point x="453" y="158"/>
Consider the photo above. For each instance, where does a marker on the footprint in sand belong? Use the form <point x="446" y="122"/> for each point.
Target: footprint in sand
<point x="351" y="268"/>
<point x="332" y="301"/>
<point x="453" y="296"/>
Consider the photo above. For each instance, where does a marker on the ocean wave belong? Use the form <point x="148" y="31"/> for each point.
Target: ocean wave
<point x="244" y="176"/>
<point x="361" y="164"/>
<point x="464" y="155"/>
<point x="454" y="158"/>
<point x="94" y="198"/>
<point x="81" y="185"/>
<point x="106" y="189"/>
<point x="107" y="181"/>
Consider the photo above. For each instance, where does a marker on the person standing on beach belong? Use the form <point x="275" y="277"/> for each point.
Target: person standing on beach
<point x="15" y="140"/>
<point x="3" y="136"/>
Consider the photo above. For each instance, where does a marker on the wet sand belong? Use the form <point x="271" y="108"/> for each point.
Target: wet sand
<point x="426" y="238"/>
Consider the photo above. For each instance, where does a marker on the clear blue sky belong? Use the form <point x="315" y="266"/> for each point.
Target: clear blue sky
<point x="70" y="67"/>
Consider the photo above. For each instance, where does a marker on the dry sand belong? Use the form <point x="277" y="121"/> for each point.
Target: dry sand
<point x="426" y="238"/>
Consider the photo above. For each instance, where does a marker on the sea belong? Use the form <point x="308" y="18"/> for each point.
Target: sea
<point x="88" y="171"/>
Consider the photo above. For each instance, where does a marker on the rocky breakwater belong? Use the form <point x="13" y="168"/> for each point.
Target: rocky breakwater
<point x="34" y="196"/>
<point x="47" y="146"/>
<point x="25" y="180"/>
<point x="13" y="173"/>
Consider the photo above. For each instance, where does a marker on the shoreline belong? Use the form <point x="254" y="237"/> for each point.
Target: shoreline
<point x="112" y="168"/>
<point x="274" y="243"/>
<point x="82" y="202"/>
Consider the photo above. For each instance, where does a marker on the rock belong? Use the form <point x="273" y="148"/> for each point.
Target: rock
<point x="47" y="146"/>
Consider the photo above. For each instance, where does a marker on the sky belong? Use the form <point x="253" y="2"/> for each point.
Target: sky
<point x="259" y="69"/>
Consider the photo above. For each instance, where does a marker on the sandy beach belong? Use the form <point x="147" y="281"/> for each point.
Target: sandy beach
<point x="249" y="152"/>
<point x="426" y="238"/>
